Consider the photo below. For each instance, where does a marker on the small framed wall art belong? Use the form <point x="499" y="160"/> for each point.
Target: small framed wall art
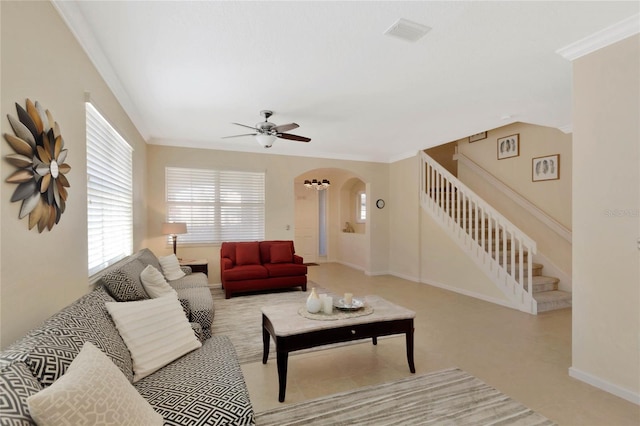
<point x="477" y="137"/>
<point x="545" y="168"/>
<point x="508" y="146"/>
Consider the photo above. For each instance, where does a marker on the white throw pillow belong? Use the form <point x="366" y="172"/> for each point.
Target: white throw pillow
<point x="171" y="267"/>
<point x="156" y="332"/>
<point x="92" y="391"/>
<point x="154" y="283"/>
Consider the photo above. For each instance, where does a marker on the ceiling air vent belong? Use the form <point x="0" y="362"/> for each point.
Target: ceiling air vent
<point x="407" y="30"/>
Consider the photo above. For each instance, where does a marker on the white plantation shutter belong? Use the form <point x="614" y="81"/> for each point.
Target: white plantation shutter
<point x="216" y="205"/>
<point x="109" y="193"/>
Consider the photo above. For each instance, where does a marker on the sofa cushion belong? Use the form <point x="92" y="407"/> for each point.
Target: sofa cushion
<point x="52" y="357"/>
<point x="124" y="284"/>
<point x="93" y="391"/>
<point x="147" y="257"/>
<point x="214" y="390"/>
<point x="16" y="385"/>
<point x="88" y="319"/>
<point x="155" y="331"/>
<point x="247" y="272"/>
<point x="285" y="269"/>
<point x="171" y="267"/>
<point x="265" y="248"/>
<point x="247" y="253"/>
<point x="154" y="283"/>
<point x="281" y="253"/>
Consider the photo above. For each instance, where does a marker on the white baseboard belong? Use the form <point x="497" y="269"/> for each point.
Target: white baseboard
<point x="604" y="385"/>
<point x="405" y="277"/>
<point x="473" y="294"/>
<point x="352" y="265"/>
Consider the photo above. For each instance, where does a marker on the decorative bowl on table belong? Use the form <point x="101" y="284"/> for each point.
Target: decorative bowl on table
<point x="353" y="306"/>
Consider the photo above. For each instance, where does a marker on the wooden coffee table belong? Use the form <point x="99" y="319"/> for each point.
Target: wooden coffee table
<point x="293" y="332"/>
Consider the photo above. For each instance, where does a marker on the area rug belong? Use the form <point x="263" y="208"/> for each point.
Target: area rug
<point x="240" y="318"/>
<point x="448" y="397"/>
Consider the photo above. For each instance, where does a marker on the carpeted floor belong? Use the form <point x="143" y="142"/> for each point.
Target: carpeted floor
<point x="448" y="397"/>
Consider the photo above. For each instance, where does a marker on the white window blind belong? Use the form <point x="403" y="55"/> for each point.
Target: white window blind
<point x="216" y="205"/>
<point x="109" y="193"/>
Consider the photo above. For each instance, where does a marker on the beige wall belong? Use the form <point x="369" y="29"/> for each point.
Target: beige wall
<point x="443" y="154"/>
<point x="281" y="172"/>
<point x="41" y="60"/>
<point x="552" y="197"/>
<point x="606" y="218"/>
<point x="404" y="208"/>
<point x="420" y="250"/>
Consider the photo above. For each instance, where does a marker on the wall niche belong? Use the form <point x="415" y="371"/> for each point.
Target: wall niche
<point x="352" y="221"/>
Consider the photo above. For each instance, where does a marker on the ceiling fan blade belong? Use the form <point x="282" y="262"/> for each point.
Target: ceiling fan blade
<point x="239" y="136"/>
<point x="244" y="125"/>
<point x="293" y="137"/>
<point x="285" y="127"/>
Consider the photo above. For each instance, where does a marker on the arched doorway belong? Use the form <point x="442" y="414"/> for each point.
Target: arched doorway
<point x="321" y="216"/>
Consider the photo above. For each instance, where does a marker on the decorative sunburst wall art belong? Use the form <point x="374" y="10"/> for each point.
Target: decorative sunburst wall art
<point x="40" y="158"/>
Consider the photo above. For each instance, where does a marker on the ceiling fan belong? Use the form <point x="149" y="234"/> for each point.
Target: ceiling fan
<point x="266" y="132"/>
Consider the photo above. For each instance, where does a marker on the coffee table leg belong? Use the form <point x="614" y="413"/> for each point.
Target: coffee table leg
<point x="283" y="358"/>
<point x="409" y="335"/>
<point x="265" y="345"/>
<point x="375" y="340"/>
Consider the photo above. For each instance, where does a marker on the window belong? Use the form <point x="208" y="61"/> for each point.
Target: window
<point x="109" y="193"/>
<point x="216" y="205"/>
<point x="361" y="207"/>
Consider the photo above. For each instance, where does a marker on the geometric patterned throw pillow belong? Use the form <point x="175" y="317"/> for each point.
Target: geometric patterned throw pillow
<point x="123" y="287"/>
<point x="16" y="385"/>
<point x="51" y="358"/>
<point x="92" y="391"/>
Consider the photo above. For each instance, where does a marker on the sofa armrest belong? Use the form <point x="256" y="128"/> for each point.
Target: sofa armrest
<point x="297" y="259"/>
<point x="225" y="263"/>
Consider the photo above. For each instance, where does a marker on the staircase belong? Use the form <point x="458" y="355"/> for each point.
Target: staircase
<point x="497" y="246"/>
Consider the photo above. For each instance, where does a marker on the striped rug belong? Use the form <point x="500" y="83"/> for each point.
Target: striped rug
<point x="448" y="397"/>
<point x="240" y="317"/>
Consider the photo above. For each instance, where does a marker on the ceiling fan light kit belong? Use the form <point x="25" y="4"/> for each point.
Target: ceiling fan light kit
<point x="266" y="132"/>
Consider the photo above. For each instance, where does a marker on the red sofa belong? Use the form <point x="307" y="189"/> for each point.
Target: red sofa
<point x="260" y="265"/>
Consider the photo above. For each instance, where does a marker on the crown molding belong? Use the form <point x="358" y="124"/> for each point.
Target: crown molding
<point x="567" y="128"/>
<point x="603" y="38"/>
<point x="73" y="18"/>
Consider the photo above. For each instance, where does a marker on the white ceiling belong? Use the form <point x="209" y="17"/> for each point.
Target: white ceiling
<point x="184" y="70"/>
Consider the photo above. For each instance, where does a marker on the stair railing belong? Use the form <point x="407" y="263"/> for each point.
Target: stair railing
<point x="496" y="245"/>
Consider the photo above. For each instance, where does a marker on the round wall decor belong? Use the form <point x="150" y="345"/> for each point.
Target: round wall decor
<point x="41" y="168"/>
<point x="380" y="203"/>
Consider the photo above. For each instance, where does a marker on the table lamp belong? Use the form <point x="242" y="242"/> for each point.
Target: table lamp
<point x="173" y="229"/>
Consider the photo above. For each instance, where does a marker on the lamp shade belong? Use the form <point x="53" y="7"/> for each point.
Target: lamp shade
<point x="174" y="228"/>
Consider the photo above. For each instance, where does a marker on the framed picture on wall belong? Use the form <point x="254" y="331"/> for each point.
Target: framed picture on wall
<point x="545" y="168"/>
<point x="508" y="146"/>
<point x="477" y="137"/>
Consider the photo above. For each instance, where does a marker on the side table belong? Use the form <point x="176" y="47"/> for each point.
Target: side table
<point x="196" y="265"/>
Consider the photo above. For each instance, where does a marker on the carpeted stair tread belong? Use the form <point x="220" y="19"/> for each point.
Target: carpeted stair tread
<point x="542" y="283"/>
<point x="536" y="268"/>
<point x="552" y="300"/>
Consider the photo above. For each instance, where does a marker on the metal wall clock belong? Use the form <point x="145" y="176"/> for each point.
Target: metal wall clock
<point x="40" y="159"/>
